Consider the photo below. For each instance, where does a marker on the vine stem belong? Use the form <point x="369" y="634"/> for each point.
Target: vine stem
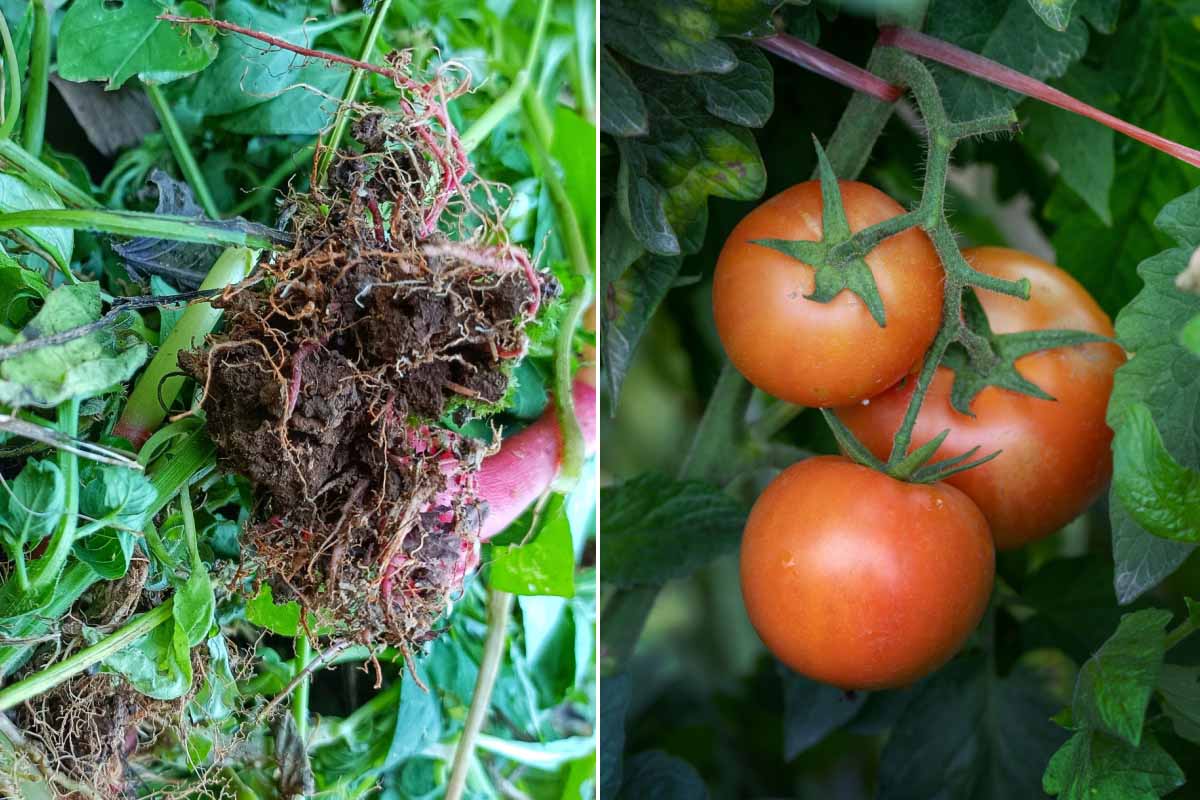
<point x="180" y="149"/>
<point x="33" y="134"/>
<point x="1181" y="632"/>
<point x="342" y="120"/>
<point x="574" y="449"/>
<point x="46" y="569"/>
<point x="507" y="103"/>
<point x="827" y="65"/>
<point x="12" y="82"/>
<point x="974" y="64"/>
<point x="138" y="223"/>
<point x="499" y="612"/>
<point x="303" y="685"/>
<point x="115" y="642"/>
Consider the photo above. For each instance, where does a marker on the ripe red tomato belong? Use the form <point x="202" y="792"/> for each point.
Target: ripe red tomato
<point x="1055" y="457"/>
<point x="862" y="581"/>
<point x="823" y="354"/>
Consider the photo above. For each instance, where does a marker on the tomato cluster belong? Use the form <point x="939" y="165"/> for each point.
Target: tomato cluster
<point x="851" y="576"/>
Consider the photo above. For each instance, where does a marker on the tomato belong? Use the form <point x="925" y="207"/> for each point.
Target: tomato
<point x="823" y="354"/>
<point x="862" y="581"/>
<point x="1055" y="457"/>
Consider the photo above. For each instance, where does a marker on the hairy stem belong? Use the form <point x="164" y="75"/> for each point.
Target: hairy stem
<point x="180" y="149"/>
<point x="507" y="103"/>
<point x="33" y="133"/>
<point x="499" y="611"/>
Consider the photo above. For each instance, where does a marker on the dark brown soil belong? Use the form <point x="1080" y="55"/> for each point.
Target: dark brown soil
<point x="325" y="389"/>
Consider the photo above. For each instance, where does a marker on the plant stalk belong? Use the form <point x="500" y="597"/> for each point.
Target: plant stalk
<point x="46" y="569"/>
<point x="180" y="149"/>
<point x="138" y="223"/>
<point x="301" y="690"/>
<point x="33" y="134"/>
<point x="23" y="160"/>
<point x="12" y="82"/>
<point x="499" y="611"/>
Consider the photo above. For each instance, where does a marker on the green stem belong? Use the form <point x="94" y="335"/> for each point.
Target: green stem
<point x="144" y="411"/>
<point x="134" y="223"/>
<point x="33" y="134"/>
<point x="17" y="554"/>
<point x="574" y="449"/>
<point x="289" y="165"/>
<point x="300" y="693"/>
<point x="342" y="121"/>
<point x="507" y="103"/>
<point x="12" y="82"/>
<point x="115" y="642"/>
<point x="189" y="527"/>
<point x="180" y="149"/>
<point x="14" y="154"/>
<point x="499" y="612"/>
<point x="1181" y="632"/>
<point x="46" y="569"/>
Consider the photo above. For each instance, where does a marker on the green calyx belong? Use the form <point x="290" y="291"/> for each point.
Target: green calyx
<point x="835" y="268"/>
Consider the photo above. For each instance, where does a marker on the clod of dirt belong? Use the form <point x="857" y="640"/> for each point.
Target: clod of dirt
<point x="336" y="363"/>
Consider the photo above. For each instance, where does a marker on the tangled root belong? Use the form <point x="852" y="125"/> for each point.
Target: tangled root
<point x="337" y="362"/>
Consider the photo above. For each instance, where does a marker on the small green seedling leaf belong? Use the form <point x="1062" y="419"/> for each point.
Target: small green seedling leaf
<point x="158" y="665"/>
<point x="1161" y="494"/>
<point x="122" y="497"/>
<point x="283" y="619"/>
<point x="195" y="605"/>
<point x="34" y="504"/>
<point x="829" y="279"/>
<point x="544" y="566"/>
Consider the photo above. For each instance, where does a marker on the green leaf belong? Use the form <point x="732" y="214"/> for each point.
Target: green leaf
<point x="1055" y="13"/>
<point x="622" y="110"/>
<point x="1159" y="493"/>
<point x="123" y="497"/>
<point x="84" y="366"/>
<point x="967" y="733"/>
<point x="746" y="94"/>
<point x="812" y="711"/>
<point x="281" y="619"/>
<point x="1189" y="337"/>
<point x="195" y="605"/>
<point x="1163" y="377"/>
<point x="218" y="695"/>
<point x="1008" y="31"/>
<point x="544" y="566"/>
<point x="418" y="719"/>
<point x="107" y="552"/>
<point x="303" y="108"/>
<point x="679" y="36"/>
<point x="574" y="148"/>
<point x="18" y="195"/>
<point x="615" y="694"/>
<point x="655" y="775"/>
<point x="1074" y="604"/>
<point x="632" y="301"/>
<point x="1158" y="89"/>
<point x="1180" y="691"/>
<point x="101" y="40"/>
<point x="34" y="504"/>
<point x="22" y="291"/>
<point x="158" y="665"/>
<point x="1115" y="685"/>
<point x="1092" y="766"/>
<point x="657" y="529"/>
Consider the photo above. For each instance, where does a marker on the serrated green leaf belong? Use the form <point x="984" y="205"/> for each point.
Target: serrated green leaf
<point x="1092" y="766"/>
<point x="657" y="529"/>
<point x="100" y="40"/>
<point x="1162" y="495"/>
<point x="746" y="94"/>
<point x="1115" y="685"/>
<point x="543" y="566"/>
<point x="622" y="109"/>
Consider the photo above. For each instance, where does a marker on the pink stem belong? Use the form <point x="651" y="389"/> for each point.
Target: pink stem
<point x="830" y="66"/>
<point x="988" y="70"/>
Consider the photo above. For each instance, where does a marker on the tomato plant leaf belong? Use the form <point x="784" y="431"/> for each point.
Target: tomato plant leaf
<point x="629" y="304"/>
<point x="543" y="566"/>
<point x="195" y="605"/>
<point x="1075" y="608"/>
<point x="1164" y="377"/>
<point x="1055" y="13"/>
<point x="967" y="734"/>
<point x="1179" y="688"/>
<point x="655" y="775"/>
<point x="657" y="529"/>
<point x="811" y="711"/>
<point x="615" y="694"/>
<point x="1162" y="495"/>
<point x="674" y="37"/>
<point x="1115" y="685"/>
<point x="622" y="109"/>
<point x="746" y="94"/>
<point x="1092" y="766"/>
<point x="114" y="42"/>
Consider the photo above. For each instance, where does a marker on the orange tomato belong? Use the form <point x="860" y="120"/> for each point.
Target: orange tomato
<point x="859" y="580"/>
<point x="1055" y="457"/>
<point x="823" y="354"/>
